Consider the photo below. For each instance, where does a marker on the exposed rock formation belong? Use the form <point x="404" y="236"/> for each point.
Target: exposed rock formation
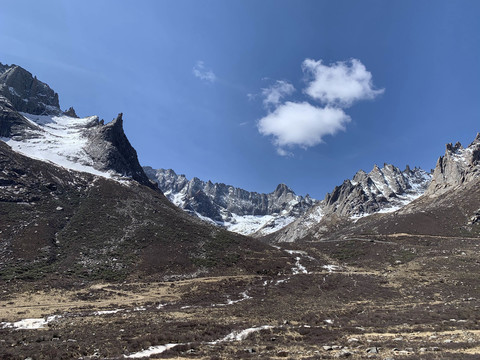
<point x="29" y="109"/>
<point x="380" y="189"/>
<point x="226" y="204"/>
<point x="457" y="166"/>
<point x="71" y="112"/>
<point x="110" y="149"/>
<point x="12" y="124"/>
<point x="26" y="93"/>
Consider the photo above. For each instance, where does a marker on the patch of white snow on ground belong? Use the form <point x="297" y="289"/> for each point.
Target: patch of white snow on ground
<point x="331" y="268"/>
<point x="238" y="335"/>
<point x="242" y="335"/>
<point x="30" y="324"/>
<point x="152" y="350"/>
<point x="106" y="312"/>
<point x="299" y="268"/>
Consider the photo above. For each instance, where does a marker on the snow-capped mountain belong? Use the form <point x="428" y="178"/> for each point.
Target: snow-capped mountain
<point x="32" y="123"/>
<point x="236" y="209"/>
<point x="382" y="190"/>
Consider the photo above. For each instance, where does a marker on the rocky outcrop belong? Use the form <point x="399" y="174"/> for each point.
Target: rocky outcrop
<point x="458" y="166"/>
<point x="226" y="204"/>
<point x="71" y="112"/>
<point x="26" y="93"/>
<point x="110" y="149"/>
<point x="12" y="124"/>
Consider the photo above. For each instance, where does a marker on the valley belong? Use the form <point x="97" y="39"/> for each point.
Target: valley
<point x="101" y="258"/>
<point x="400" y="297"/>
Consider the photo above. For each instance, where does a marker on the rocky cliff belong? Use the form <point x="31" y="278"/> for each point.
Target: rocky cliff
<point x="26" y="93"/>
<point x="458" y="166"/>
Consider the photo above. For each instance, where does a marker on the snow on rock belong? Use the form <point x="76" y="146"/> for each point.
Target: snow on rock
<point x="59" y="140"/>
<point x="240" y="211"/>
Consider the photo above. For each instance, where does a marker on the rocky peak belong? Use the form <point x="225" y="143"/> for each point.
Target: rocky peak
<point x="26" y="92"/>
<point x="71" y="112"/>
<point x="110" y="149"/>
<point x="457" y="166"/>
<point x="282" y="189"/>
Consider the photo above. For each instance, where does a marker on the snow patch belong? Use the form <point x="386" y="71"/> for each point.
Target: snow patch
<point x="152" y="350"/>
<point x="60" y="140"/>
<point x="30" y="324"/>
<point x="242" y="335"/>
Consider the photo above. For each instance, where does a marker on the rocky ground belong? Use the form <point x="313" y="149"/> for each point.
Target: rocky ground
<point x="390" y="297"/>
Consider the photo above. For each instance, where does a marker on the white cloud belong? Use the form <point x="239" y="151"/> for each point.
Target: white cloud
<point x="301" y="124"/>
<point x="203" y="73"/>
<point x="340" y="84"/>
<point x="274" y="93"/>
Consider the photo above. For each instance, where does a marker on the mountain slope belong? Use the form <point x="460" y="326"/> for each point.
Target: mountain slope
<point x="233" y="208"/>
<point x="67" y="225"/>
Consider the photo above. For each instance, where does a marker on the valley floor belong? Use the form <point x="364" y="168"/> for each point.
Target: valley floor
<point x="397" y="297"/>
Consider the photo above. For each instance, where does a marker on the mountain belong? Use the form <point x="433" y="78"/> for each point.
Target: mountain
<point x="76" y="205"/>
<point x="32" y="123"/>
<point x="382" y="190"/>
<point x="63" y="225"/>
<point x="238" y="210"/>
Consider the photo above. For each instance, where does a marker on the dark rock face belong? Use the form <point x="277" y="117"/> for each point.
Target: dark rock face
<point x="71" y="112"/>
<point x="218" y="201"/>
<point x="26" y="93"/>
<point x="12" y="124"/>
<point x="457" y="166"/>
<point x="110" y="149"/>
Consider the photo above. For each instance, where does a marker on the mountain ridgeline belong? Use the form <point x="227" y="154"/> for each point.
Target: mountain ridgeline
<point x="381" y="190"/>
<point x="234" y="208"/>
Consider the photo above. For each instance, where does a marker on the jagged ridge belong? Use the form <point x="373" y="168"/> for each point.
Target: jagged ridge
<point x="236" y="209"/>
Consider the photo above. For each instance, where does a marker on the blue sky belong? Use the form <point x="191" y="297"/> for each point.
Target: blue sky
<point x="191" y="78"/>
